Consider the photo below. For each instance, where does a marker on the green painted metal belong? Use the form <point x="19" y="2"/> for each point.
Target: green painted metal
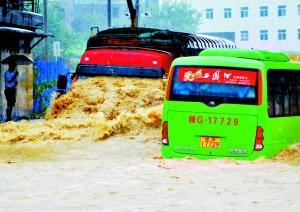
<point x="261" y="55"/>
<point x="237" y="141"/>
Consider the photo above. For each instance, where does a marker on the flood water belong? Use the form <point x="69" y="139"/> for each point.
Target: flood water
<point x="98" y="149"/>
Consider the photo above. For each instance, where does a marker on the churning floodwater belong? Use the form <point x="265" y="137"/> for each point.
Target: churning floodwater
<point x="98" y="149"/>
<point x="94" y="110"/>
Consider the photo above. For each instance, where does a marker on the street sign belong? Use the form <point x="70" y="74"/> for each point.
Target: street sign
<point x="56" y="49"/>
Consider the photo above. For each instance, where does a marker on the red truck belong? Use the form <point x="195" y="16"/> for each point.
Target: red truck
<point x="140" y="52"/>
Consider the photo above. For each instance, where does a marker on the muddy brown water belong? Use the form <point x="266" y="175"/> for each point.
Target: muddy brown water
<point x="94" y="110"/>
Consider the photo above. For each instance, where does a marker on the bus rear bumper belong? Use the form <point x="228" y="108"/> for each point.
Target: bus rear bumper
<point x="267" y="153"/>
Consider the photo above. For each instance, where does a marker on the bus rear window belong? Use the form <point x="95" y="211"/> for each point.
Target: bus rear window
<point x="214" y="86"/>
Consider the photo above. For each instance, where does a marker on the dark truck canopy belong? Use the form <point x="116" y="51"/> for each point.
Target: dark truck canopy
<point x="177" y="43"/>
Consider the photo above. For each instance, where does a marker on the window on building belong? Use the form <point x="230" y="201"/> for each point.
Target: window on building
<point x="227" y="12"/>
<point x="263" y="34"/>
<point x="263" y="11"/>
<point x="281" y="34"/>
<point x="283" y="93"/>
<point x="209" y="14"/>
<point x="281" y="10"/>
<point x="115" y="12"/>
<point x="244" y="35"/>
<point x="298" y="34"/>
<point x="244" y="12"/>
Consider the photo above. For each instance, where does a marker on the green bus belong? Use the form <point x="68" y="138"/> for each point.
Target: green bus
<point x="234" y="103"/>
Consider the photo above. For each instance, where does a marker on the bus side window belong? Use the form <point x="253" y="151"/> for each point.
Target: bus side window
<point x="298" y="95"/>
<point x="297" y="90"/>
<point x="283" y="93"/>
<point x="293" y="100"/>
<point x="274" y="95"/>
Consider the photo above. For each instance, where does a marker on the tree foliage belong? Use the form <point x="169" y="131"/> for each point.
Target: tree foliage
<point x="39" y="87"/>
<point x="71" y="43"/>
<point x="177" y="16"/>
<point x="87" y="16"/>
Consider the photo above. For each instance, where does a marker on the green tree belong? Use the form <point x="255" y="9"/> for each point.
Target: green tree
<point x="177" y="16"/>
<point x="72" y="44"/>
<point x="94" y="16"/>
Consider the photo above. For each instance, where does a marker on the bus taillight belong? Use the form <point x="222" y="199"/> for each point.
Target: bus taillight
<point x="165" y="140"/>
<point x="259" y="139"/>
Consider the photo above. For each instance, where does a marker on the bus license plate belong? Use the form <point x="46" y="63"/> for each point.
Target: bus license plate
<point x="210" y="142"/>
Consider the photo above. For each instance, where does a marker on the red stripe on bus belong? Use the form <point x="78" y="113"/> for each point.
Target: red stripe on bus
<point x="259" y="86"/>
<point x="169" y="84"/>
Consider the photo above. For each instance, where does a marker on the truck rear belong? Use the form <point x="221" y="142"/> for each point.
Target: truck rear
<point x="129" y="62"/>
<point x="140" y="52"/>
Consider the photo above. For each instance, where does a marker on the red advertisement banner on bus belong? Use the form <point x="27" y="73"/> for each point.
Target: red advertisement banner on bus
<point x="217" y="75"/>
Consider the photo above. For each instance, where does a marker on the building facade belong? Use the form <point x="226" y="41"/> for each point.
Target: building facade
<point x="263" y="24"/>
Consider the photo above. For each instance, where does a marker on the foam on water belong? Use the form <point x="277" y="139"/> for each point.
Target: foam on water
<point x="94" y="110"/>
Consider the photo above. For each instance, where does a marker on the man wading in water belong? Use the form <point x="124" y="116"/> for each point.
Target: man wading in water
<point x="10" y="91"/>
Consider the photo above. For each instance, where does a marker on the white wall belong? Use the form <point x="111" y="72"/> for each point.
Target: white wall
<point x="254" y="23"/>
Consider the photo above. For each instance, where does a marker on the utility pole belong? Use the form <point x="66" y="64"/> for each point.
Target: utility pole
<point x="134" y="12"/>
<point x="137" y="12"/>
<point x="108" y="13"/>
<point x="46" y="29"/>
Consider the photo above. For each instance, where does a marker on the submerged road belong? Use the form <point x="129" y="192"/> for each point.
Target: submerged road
<point x="127" y="174"/>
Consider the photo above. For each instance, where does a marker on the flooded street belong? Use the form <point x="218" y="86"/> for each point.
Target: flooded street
<point x="127" y="174"/>
<point x="95" y="88"/>
<point x="99" y="150"/>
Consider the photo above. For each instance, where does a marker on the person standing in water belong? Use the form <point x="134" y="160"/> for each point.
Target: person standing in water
<point x="11" y="82"/>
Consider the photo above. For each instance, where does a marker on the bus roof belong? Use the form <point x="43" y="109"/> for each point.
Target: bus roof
<point x="261" y="55"/>
<point x="218" y="61"/>
<point x="240" y="58"/>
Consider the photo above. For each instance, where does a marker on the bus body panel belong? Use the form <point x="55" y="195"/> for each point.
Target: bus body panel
<point x="236" y="128"/>
<point x="280" y="132"/>
<point x="212" y="134"/>
<point x="283" y="129"/>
